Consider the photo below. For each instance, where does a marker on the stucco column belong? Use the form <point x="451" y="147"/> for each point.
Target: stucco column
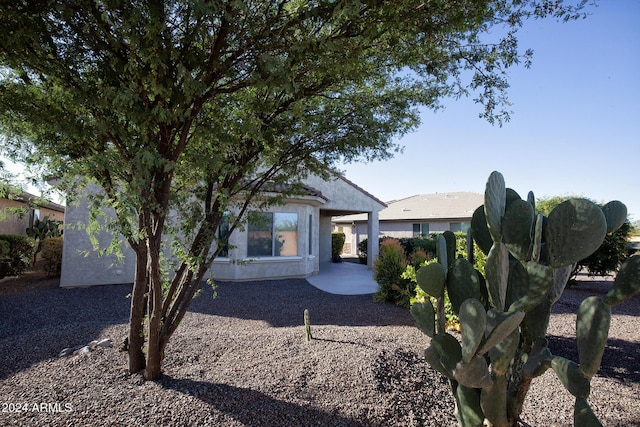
<point x="325" y="238"/>
<point x="373" y="229"/>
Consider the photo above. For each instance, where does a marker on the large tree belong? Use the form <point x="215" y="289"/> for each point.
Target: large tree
<point x="208" y="107"/>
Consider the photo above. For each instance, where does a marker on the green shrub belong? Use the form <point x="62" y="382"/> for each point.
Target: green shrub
<point x="5" y="249"/>
<point x="337" y="243"/>
<point x="388" y="270"/>
<point x="19" y="255"/>
<point x="412" y="244"/>
<point x="452" y="321"/>
<point x="610" y="255"/>
<point x="52" y="254"/>
<point x="409" y="246"/>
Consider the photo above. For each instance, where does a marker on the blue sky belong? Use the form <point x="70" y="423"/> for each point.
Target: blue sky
<point x="575" y="129"/>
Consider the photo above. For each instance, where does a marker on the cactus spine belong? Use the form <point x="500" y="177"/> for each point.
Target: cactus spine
<point x="504" y="318"/>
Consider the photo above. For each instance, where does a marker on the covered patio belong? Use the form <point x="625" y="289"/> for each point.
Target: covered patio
<point x="344" y="278"/>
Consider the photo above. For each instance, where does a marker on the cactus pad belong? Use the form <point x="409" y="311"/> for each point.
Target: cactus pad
<point x="431" y="279"/>
<point x="462" y="283"/>
<point x="592" y="330"/>
<point x="583" y="415"/>
<point x="571" y="376"/>
<point x="480" y="230"/>
<point x="627" y="282"/>
<point x="495" y="200"/>
<point x="615" y="213"/>
<point x="575" y="229"/>
<point x="474" y="373"/>
<point x="473" y="321"/>
<point x="497" y="271"/>
<point x="540" y="282"/>
<point x="516" y="228"/>
<point x="425" y="317"/>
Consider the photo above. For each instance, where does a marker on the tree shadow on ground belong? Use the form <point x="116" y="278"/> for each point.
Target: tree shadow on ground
<point x="253" y="408"/>
<point x="619" y="361"/>
<point x="36" y="324"/>
<point x="281" y="303"/>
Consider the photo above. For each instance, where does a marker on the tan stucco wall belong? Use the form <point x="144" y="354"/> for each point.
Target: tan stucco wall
<point x="81" y="270"/>
<point x="12" y="224"/>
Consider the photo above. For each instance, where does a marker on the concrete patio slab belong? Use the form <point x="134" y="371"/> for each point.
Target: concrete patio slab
<point x="345" y="278"/>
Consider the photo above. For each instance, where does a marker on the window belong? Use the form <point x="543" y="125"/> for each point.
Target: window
<point x="33" y="215"/>
<point x="223" y="230"/>
<point x="459" y="226"/>
<point x="421" y="229"/>
<point x="273" y="234"/>
<point x="310" y="229"/>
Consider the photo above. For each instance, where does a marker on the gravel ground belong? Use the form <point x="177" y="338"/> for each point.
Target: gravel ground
<point x="241" y="360"/>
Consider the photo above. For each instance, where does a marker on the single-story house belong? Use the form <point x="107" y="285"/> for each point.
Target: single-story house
<point x="413" y="216"/>
<point x="21" y="210"/>
<point x="292" y="241"/>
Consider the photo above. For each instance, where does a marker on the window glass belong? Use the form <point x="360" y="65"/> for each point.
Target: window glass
<point x="273" y="234"/>
<point x="421" y="229"/>
<point x="286" y="234"/>
<point x="310" y="234"/>
<point x="223" y="230"/>
<point x="459" y="226"/>
<point x="260" y="234"/>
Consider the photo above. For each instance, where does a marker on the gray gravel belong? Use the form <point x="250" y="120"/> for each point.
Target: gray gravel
<point x="241" y="360"/>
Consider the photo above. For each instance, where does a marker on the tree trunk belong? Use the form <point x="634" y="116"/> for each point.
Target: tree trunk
<point x="136" y="319"/>
<point x="154" y="348"/>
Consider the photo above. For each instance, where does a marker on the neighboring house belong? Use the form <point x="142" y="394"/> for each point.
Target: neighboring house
<point x="414" y="216"/>
<point x="20" y="211"/>
<point x="292" y="241"/>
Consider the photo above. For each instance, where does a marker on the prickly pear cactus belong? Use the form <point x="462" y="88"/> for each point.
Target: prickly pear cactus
<point x="504" y="317"/>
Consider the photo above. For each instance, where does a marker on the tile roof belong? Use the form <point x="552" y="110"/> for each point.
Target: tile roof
<point x="455" y="205"/>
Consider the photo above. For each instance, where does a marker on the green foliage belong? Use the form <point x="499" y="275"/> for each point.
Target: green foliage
<point x="422" y="297"/>
<point x="52" y="255"/>
<point x="420" y="246"/>
<point x="504" y="317"/>
<point x="610" y="255"/>
<point x="388" y="270"/>
<point x="41" y="230"/>
<point x="17" y="254"/>
<point x="337" y="243"/>
<point x="199" y="108"/>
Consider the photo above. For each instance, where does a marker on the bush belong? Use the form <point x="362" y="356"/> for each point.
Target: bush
<point x="388" y="270"/>
<point x="409" y="246"/>
<point x="52" y="255"/>
<point x="18" y="257"/>
<point x="412" y="244"/>
<point x="452" y="321"/>
<point x="337" y="243"/>
<point x="610" y="255"/>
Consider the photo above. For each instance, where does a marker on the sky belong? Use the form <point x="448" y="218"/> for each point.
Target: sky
<point x="575" y="129"/>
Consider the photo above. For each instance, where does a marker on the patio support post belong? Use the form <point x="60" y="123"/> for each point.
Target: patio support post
<point x="373" y="229"/>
